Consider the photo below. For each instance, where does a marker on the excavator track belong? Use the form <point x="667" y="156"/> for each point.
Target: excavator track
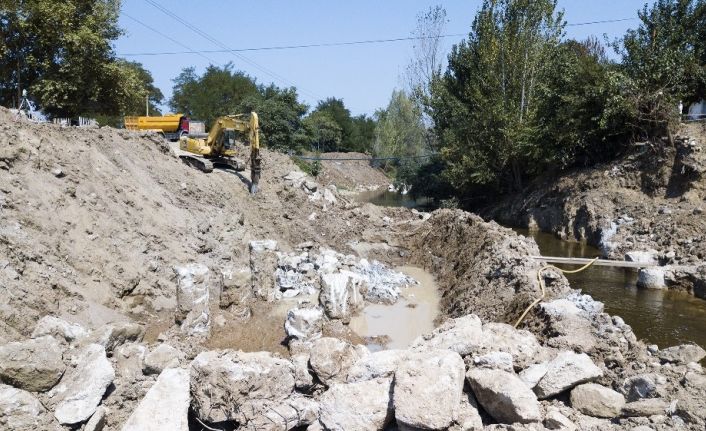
<point x="199" y="163"/>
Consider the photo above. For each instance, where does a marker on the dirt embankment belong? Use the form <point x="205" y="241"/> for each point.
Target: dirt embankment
<point x="650" y="201"/>
<point x="352" y="175"/>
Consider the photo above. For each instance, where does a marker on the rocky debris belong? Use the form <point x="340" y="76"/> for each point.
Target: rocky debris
<point x="504" y="396"/>
<point x="166" y="405"/>
<point x="59" y="329"/>
<point x="638" y="387"/>
<point x="596" y="400"/>
<point x="331" y="359"/>
<point x="383" y="284"/>
<point x="222" y="382"/>
<point x="263" y="263"/>
<point x="305" y="323"/>
<point x="495" y="361"/>
<point x="468" y="417"/>
<point x="363" y="405"/>
<point x="648" y="257"/>
<point x="192" y="295"/>
<point x="534" y="373"/>
<point x="237" y="286"/>
<point x="21" y="411"/>
<point x="98" y="421"/>
<point x="33" y="365"/>
<point x="651" y="278"/>
<point x="564" y="372"/>
<point x="647" y="407"/>
<point x="463" y="335"/>
<point x="555" y="420"/>
<point x="380" y="364"/>
<point x="439" y="385"/>
<point x="162" y="357"/>
<point x="303" y="380"/>
<point x="682" y="354"/>
<point x="82" y="386"/>
<point x="115" y="334"/>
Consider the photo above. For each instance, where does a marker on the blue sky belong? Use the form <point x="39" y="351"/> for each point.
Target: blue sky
<point x="362" y="75"/>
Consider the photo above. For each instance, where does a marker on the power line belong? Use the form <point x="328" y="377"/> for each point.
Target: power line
<point x="226" y="49"/>
<point x="371" y="159"/>
<point x="334" y="44"/>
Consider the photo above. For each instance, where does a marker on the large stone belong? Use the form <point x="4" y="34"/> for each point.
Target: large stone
<point x="638" y="387"/>
<point x="646" y="257"/>
<point x="682" y="354"/>
<point x="331" y="359"/>
<point x="130" y="359"/>
<point x="98" y="421"/>
<point x="494" y="360"/>
<point x="166" y="405"/>
<point x="265" y="415"/>
<point x="376" y="365"/>
<point x="504" y="396"/>
<point x="193" y="296"/>
<point x="59" y="328"/>
<point x="114" y="335"/>
<point x="162" y="357"/>
<point x="263" y="264"/>
<point x="468" y="417"/>
<point x="21" y="411"/>
<point x="303" y="380"/>
<point x="564" y="372"/>
<point x="555" y="420"/>
<point x="463" y="335"/>
<point x="428" y="387"/>
<point x="304" y="323"/>
<point x="339" y="295"/>
<point x="223" y="381"/>
<point x="651" y="278"/>
<point x="82" y="387"/>
<point x="534" y="373"/>
<point x="33" y="365"/>
<point x="360" y="406"/>
<point x="596" y="400"/>
<point x="521" y="344"/>
<point x="647" y="407"/>
<point x="237" y="286"/>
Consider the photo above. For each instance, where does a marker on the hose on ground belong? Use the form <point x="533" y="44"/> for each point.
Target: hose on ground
<point x="541" y="285"/>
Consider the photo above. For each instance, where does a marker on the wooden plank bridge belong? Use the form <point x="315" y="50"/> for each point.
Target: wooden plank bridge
<point x="598" y="262"/>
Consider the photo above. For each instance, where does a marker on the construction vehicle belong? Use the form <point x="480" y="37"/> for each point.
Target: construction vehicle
<point x="220" y="147"/>
<point x="171" y="126"/>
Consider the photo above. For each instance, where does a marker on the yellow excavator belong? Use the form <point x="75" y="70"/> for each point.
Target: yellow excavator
<point x="220" y="147"/>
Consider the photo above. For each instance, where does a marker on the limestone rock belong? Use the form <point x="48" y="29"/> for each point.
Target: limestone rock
<point x="564" y="372"/>
<point x="364" y="405"/>
<point x="555" y="420"/>
<point x="647" y="407"/>
<point x="59" y="329"/>
<point x="339" y="295"/>
<point x="237" y="286"/>
<point x="263" y="264"/>
<point x="303" y="380"/>
<point x="682" y="354"/>
<point x="534" y="373"/>
<point x="494" y="360"/>
<point x="98" y="421"/>
<point x="130" y="359"/>
<point x="116" y="334"/>
<point x="521" y="344"/>
<point x="651" y="278"/>
<point x="81" y="389"/>
<point x="331" y="359"/>
<point x="193" y="296"/>
<point x="463" y="335"/>
<point x="223" y="381"/>
<point x="646" y="257"/>
<point x="304" y="323"/>
<point x="376" y="365"/>
<point x="428" y="387"/>
<point x="21" y="411"/>
<point x="638" y="387"/>
<point x="166" y="405"/>
<point x="596" y="400"/>
<point x="468" y="418"/>
<point x="162" y="357"/>
<point x="504" y="396"/>
<point x="33" y="365"/>
<point x="265" y="415"/>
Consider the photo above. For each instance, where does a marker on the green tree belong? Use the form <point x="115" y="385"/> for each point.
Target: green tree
<point x="61" y="53"/>
<point x="323" y="133"/>
<point x="337" y="111"/>
<point x="146" y="82"/>
<point x="219" y="91"/>
<point x="400" y="132"/>
<point x="485" y="106"/>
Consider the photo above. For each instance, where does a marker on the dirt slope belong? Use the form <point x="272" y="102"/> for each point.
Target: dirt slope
<point x="351" y="175"/>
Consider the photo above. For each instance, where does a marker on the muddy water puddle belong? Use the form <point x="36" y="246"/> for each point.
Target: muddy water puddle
<point x="386" y="198"/>
<point x="665" y="318"/>
<point x="395" y="326"/>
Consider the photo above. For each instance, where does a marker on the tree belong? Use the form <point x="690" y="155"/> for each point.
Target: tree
<point x="323" y="133"/>
<point x="219" y="91"/>
<point x="61" y="53"/>
<point x="485" y="106"/>
<point x="153" y="94"/>
<point x="400" y="132"/>
<point x="337" y="111"/>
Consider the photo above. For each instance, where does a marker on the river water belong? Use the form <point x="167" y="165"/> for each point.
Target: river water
<point x="665" y="318"/>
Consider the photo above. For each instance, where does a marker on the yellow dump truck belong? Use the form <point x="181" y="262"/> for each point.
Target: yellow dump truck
<point x="171" y="126"/>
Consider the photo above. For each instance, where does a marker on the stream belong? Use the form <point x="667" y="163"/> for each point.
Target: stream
<point x="665" y="318"/>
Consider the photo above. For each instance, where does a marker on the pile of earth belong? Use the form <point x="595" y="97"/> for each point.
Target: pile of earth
<point x="647" y="206"/>
<point x="352" y="175"/>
